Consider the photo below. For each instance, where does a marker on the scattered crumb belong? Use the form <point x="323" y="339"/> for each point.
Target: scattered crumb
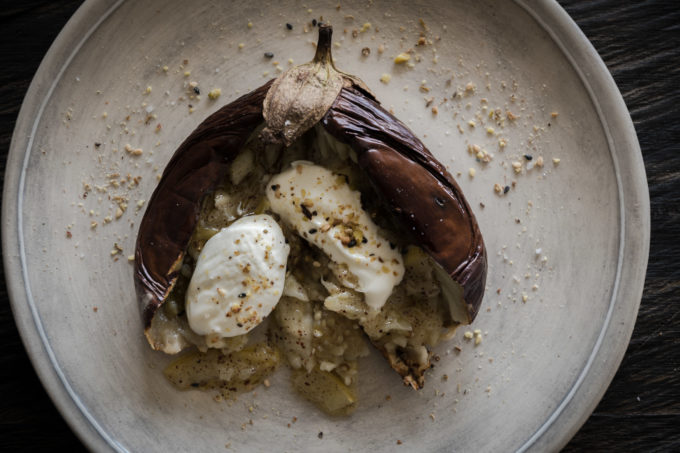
<point x="402" y="58"/>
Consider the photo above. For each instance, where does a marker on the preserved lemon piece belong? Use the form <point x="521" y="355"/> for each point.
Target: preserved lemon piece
<point x="325" y="390"/>
<point x="235" y="372"/>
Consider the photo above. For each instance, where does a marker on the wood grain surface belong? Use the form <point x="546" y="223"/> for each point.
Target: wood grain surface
<point x="640" y="43"/>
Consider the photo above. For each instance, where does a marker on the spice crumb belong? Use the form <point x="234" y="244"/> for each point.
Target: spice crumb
<point x="214" y="93"/>
<point x="472" y="172"/>
<point x="385" y="78"/>
<point x="402" y="58"/>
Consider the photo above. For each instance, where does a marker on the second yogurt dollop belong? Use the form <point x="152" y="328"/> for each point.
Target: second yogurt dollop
<point x="326" y="212"/>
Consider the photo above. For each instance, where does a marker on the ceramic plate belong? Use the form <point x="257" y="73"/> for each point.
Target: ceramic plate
<point x="568" y="242"/>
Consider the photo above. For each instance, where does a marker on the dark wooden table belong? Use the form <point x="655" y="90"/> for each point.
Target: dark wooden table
<point x="640" y="43"/>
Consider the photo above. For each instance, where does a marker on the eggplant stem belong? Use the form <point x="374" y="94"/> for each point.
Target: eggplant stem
<point x="323" y="46"/>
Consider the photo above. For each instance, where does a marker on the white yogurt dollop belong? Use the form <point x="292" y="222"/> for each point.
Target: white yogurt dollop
<point x="238" y="279"/>
<point x="326" y="212"/>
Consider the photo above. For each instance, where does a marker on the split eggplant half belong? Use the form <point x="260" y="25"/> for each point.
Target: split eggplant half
<point x="314" y="106"/>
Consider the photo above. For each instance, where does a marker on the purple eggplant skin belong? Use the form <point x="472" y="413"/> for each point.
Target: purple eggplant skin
<point x="195" y="170"/>
<point x="423" y="196"/>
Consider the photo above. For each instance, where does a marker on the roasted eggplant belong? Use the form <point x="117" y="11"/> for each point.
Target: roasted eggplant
<point x="421" y="197"/>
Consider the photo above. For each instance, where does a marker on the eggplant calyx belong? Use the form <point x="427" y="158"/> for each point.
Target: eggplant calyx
<point x="301" y="96"/>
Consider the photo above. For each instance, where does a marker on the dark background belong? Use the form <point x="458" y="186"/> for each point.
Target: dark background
<point x="640" y="43"/>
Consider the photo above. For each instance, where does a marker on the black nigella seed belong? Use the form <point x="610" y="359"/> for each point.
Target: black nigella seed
<point x="320" y="434"/>
<point x="506" y="189"/>
<point x="239" y="324"/>
<point x="196" y="90"/>
<point x="194" y="384"/>
<point x="306" y="211"/>
<point x="392" y="246"/>
<point x="289" y="26"/>
<point x="312" y="231"/>
<point x="352" y="243"/>
<point x="275" y="187"/>
<point x="439" y="201"/>
<point x="242" y="295"/>
<point x="528" y="156"/>
<point x="314" y="22"/>
<point x="97" y="144"/>
<point x="269" y="55"/>
<point x="364" y="240"/>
